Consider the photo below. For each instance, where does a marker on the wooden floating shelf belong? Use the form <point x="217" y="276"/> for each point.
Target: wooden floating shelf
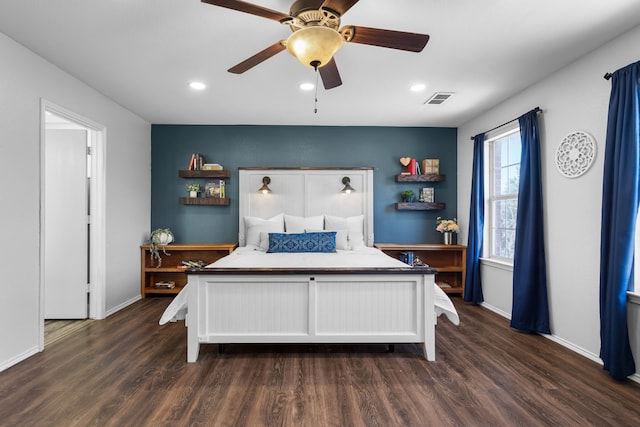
<point x="421" y="178"/>
<point x="420" y="206"/>
<point x="204" y="174"/>
<point x="204" y="201"/>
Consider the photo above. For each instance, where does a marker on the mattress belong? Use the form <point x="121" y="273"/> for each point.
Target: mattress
<point x="253" y="257"/>
<point x="249" y="257"/>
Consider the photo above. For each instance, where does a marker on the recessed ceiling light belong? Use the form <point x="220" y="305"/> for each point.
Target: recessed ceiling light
<point x="197" y="85"/>
<point x="306" y="86"/>
<point x="417" y="87"/>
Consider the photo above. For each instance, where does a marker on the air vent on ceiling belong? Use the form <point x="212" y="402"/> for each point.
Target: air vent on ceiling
<point x="438" y="98"/>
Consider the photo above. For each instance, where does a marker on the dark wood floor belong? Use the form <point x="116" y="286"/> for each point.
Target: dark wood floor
<point x="57" y="329"/>
<point x="129" y="371"/>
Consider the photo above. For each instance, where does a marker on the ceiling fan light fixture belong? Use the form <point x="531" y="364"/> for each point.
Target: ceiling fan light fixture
<point x="314" y="46"/>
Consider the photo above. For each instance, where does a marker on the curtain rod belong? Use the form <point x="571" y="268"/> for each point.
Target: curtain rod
<point x="607" y="76"/>
<point x="537" y="110"/>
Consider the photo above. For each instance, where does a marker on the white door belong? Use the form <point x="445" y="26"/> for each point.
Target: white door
<point x="66" y="234"/>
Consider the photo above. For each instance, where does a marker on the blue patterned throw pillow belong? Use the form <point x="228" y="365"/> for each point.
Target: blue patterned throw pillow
<point x="324" y="241"/>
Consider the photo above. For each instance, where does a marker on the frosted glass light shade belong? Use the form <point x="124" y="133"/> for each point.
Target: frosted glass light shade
<point x="313" y="44"/>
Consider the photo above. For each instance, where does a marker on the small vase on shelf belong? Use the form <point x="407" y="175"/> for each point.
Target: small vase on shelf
<point x="448" y="237"/>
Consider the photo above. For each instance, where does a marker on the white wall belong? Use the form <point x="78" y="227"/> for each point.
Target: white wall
<point x="574" y="98"/>
<point x="25" y="78"/>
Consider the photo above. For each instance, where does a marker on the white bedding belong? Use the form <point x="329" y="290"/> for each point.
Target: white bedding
<point x="251" y="257"/>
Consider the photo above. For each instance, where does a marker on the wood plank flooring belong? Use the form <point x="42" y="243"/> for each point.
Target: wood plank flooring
<point x="129" y="371"/>
<point x="56" y="329"/>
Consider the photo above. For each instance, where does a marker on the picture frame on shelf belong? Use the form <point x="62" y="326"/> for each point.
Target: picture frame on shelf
<point x="427" y="195"/>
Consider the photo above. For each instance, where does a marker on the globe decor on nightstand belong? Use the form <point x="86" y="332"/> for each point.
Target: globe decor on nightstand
<point x="447" y="227"/>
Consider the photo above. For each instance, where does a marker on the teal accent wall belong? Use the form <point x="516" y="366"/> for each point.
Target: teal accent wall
<point x="294" y="146"/>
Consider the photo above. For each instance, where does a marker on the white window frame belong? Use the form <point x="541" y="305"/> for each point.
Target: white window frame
<point x="490" y="138"/>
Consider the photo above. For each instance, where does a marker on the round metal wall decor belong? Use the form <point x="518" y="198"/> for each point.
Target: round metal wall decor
<point x="575" y="154"/>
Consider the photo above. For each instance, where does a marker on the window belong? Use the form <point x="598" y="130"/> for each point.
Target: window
<point x="504" y="178"/>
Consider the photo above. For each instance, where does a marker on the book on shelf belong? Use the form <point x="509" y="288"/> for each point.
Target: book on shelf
<point x="197" y="162"/>
<point x="215" y="189"/>
<point x="407" y="257"/>
<point x="412" y="167"/>
<point x="212" y="167"/>
<point x="165" y="285"/>
<point x="194" y="264"/>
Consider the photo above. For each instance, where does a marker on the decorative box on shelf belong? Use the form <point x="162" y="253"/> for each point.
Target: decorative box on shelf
<point x="431" y="166"/>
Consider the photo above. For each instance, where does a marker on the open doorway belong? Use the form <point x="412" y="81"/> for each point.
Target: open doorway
<point x="71" y="218"/>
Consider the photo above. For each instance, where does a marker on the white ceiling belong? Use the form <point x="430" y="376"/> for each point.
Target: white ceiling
<point x="143" y="53"/>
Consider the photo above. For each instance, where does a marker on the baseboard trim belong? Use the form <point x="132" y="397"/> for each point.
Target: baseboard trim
<point x="496" y="310"/>
<point x="19" y="358"/>
<point x="575" y="348"/>
<point x="123" y="305"/>
<point x="581" y="351"/>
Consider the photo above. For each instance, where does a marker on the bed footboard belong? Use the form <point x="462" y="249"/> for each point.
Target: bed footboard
<point x="310" y="307"/>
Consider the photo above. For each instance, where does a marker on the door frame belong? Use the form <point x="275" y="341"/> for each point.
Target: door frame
<point x="97" y="135"/>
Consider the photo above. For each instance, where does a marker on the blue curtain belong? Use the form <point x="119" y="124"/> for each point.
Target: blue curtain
<point x="473" y="284"/>
<point x="620" y="188"/>
<point x="530" y="310"/>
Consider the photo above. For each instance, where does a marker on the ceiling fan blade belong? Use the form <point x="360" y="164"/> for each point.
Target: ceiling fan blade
<point x="330" y="75"/>
<point x="253" y="9"/>
<point x="340" y="6"/>
<point x="259" y="57"/>
<point x="412" y="42"/>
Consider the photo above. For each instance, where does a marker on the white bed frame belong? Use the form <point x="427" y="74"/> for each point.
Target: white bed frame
<point x="310" y="305"/>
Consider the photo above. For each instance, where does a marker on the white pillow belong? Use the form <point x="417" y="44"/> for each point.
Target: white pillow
<point x="342" y="238"/>
<point x="254" y="226"/>
<point x="264" y="241"/>
<point x="354" y="224"/>
<point x="297" y="224"/>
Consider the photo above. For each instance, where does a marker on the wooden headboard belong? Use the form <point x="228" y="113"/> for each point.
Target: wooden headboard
<point x="306" y="192"/>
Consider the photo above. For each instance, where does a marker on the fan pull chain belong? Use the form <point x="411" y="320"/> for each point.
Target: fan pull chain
<point x="315" y="65"/>
<point x="315" y="105"/>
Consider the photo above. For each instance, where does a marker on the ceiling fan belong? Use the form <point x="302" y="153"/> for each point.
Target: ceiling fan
<point x="317" y="35"/>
